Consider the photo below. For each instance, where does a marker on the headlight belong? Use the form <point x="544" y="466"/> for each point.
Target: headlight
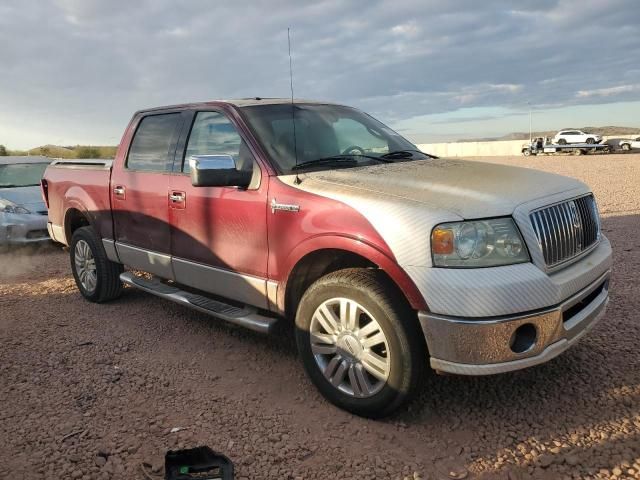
<point x="479" y="243"/>
<point x="10" y="207"/>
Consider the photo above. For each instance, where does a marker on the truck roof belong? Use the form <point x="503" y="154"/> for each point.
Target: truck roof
<point x="238" y="102"/>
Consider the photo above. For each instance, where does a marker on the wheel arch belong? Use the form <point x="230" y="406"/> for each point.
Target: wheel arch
<point x="333" y="254"/>
<point x="74" y="219"/>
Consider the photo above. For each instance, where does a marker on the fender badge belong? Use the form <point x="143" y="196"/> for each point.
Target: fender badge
<point x="283" y="206"/>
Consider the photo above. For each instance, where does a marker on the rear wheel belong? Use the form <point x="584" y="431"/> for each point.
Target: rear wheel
<point x="526" y="152"/>
<point x="97" y="278"/>
<point x="360" y="344"/>
<point x="626" y="147"/>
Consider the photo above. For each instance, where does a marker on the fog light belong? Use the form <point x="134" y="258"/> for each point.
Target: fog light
<point x="524" y="338"/>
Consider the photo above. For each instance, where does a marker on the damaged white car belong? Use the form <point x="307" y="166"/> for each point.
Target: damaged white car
<point x="23" y="214"/>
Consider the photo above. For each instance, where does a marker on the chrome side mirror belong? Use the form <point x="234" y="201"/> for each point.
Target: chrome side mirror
<point x="217" y="171"/>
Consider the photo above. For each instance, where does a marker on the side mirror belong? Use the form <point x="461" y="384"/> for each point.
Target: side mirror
<point x="217" y="171"/>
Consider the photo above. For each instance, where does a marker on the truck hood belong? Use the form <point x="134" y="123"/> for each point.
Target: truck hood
<point x="468" y="189"/>
<point x="28" y="197"/>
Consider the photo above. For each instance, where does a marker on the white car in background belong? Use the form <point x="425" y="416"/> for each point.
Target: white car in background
<point x="630" y="144"/>
<point x="564" y="137"/>
<point x="23" y="214"/>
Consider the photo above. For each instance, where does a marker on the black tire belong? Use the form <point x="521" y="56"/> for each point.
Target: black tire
<point x="562" y="141"/>
<point x="591" y="141"/>
<point x="526" y="152"/>
<point x="399" y="324"/>
<point x="108" y="285"/>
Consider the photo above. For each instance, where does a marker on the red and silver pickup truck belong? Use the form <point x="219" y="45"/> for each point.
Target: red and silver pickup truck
<point x="387" y="259"/>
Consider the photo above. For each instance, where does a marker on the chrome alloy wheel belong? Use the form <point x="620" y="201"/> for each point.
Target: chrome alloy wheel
<point x="85" y="266"/>
<point x="350" y="347"/>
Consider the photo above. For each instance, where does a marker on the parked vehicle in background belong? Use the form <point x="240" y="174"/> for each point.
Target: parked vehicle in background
<point x="23" y="214"/>
<point x="382" y="255"/>
<point x="630" y="144"/>
<point x="540" y="146"/>
<point x="564" y="137"/>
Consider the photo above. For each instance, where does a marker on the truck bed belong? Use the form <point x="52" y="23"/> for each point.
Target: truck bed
<point x="83" y="185"/>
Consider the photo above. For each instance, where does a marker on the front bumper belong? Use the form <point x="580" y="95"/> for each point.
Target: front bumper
<point x="23" y="229"/>
<point x="468" y="346"/>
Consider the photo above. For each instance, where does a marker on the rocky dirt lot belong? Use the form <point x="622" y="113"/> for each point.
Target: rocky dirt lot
<point x="93" y="391"/>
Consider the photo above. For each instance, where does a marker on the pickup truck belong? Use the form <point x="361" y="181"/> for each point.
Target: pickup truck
<point x="384" y="259"/>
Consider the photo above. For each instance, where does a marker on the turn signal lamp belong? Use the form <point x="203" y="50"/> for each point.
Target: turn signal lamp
<point x="442" y="241"/>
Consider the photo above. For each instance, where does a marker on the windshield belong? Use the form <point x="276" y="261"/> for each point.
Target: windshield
<point x="21" y="174"/>
<point x="321" y="132"/>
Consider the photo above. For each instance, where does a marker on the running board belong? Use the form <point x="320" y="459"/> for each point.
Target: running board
<point x="246" y="317"/>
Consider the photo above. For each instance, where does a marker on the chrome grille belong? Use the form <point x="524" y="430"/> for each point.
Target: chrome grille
<point x="567" y="229"/>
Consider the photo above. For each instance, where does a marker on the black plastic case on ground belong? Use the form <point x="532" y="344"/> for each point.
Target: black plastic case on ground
<point x="200" y="463"/>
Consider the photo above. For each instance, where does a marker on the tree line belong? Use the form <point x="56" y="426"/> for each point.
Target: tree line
<point x="53" y="151"/>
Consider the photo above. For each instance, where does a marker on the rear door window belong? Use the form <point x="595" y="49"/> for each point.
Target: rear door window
<point x="150" y="146"/>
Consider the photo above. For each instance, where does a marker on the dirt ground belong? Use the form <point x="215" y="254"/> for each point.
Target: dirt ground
<point x="93" y="391"/>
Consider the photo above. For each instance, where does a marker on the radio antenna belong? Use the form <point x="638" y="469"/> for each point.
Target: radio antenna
<point x="293" y="113"/>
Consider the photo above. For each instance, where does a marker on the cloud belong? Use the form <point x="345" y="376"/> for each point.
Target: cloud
<point x="78" y="68"/>
<point x="609" y="91"/>
<point x="506" y="87"/>
<point x="409" y="29"/>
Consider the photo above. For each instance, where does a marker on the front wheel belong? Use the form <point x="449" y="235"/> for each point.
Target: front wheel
<point x="360" y="343"/>
<point x="97" y="278"/>
<point x="562" y="141"/>
<point x="626" y="147"/>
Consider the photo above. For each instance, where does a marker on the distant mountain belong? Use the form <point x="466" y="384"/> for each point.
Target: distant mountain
<point x="53" y="151"/>
<point x="608" y="131"/>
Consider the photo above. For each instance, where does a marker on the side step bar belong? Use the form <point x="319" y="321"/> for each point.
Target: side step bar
<point x="246" y="317"/>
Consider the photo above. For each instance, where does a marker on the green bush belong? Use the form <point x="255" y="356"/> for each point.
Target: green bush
<point x="87" y="152"/>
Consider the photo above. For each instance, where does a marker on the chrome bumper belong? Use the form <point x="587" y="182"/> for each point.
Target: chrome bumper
<point x="501" y="344"/>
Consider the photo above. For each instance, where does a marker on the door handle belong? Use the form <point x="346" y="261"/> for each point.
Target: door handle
<point x="119" y="191"/>
<point x="176" y="197"/>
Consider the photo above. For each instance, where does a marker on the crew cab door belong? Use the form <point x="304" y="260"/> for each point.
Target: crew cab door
<point x="139" y="188"/>
<point x="219" y="234"/>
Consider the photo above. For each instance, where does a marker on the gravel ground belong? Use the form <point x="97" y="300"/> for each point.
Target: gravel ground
<point x="92" y="391"/>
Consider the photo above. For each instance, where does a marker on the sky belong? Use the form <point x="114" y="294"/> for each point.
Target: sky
<point x="74" y="71"/>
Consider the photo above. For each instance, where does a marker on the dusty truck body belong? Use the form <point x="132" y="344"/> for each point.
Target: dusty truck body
<point x="387" y="259"/>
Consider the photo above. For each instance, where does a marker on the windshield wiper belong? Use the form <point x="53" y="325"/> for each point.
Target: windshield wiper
<point x="346" y="159"/>
<point x="7" y="185"/>
<point x="404" y="154"/>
